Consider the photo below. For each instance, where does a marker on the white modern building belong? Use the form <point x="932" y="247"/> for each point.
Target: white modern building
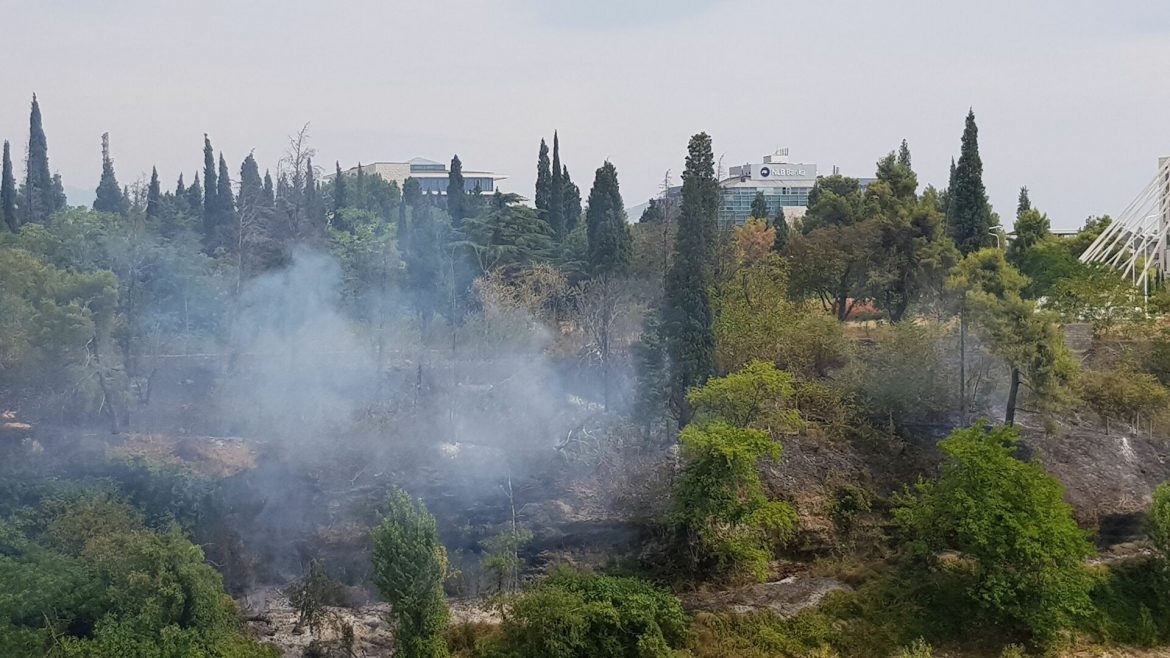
<point x="431" y="175"/>
<point x="785" y="184"/>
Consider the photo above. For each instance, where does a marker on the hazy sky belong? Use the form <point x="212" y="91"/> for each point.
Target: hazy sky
<point x="1072" y="97"/>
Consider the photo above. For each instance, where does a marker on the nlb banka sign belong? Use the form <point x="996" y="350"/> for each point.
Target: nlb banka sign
<point x="801" y="171"/>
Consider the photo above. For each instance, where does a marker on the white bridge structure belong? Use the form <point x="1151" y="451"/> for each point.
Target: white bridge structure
<point x="1136" y="241"/>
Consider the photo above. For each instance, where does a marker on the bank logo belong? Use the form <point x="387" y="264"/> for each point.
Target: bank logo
<point x="765" y="172"/>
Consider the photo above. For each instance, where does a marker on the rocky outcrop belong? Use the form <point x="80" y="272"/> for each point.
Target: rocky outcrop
<point x="784" y="597"/>
<point x="1109" y="476"/>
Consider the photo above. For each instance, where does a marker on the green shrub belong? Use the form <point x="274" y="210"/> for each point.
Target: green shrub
<point x="88" y="578"/>
<point x="571" y="614"/>
<point x="1020" y="554"/>
<point x="724" y="523"/>
<point x="409" y="567"/>
<point x="1159" y="521"/>
<point x="762" y="635"/>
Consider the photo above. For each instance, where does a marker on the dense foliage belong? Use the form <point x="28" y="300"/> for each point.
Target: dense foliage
<point x="1020" y="556"/>
<point x="86" y="577"/>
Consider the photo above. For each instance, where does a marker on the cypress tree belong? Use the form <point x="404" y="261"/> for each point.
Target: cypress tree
<point x="153" y="195"/>
<point x="224" y="225"/>
<point x="180" y="189"/>
<point x="970" y="214"/>
<point x="251" y="185"/>
<point x="780" y="224"/>
<point x="572" y="202"/>
<point x="688" y="319"/>
<point x="8" y="191"/>
<point x="543" y="181"/>
<point x="456" y="195"/>
<point x="556" y="193"/>
<point x="269" y="192"/>
<point x="314" y="207"/>
<point x="109" y="194"/>
<point x="195" y="197"/>
<point x="759" y="209"/>
<point x="1024" y="204"/>
<point x="608" y="236"/>
<point x="59" y="192"/>
<point x="210" y="200"/>
<point x="223" y="192"/>
<point x="42" y="197"/>
<point x="339" y="192"/>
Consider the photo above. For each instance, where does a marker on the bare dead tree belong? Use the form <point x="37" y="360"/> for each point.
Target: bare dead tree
<point x="608" y="314"/>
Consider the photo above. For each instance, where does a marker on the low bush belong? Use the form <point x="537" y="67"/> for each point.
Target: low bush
<point x="571" y="614"/>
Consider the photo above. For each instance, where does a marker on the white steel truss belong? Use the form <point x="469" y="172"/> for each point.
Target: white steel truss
<point x="1136" y="241"/>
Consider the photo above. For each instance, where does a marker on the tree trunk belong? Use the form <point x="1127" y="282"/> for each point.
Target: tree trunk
<point x="1009" y="417"/>
<point x="962" y="368"/>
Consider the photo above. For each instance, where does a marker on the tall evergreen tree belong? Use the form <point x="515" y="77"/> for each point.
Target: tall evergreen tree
<point x="41" y="196"/>
<point x="8" y="192"/>
<point x="780" y="224"/>
<point x="180" y="188"/>
<point x="607" y="234"/>
<point x="969" y="213"/>
<point x="340" y="195"/>
<point x="1024" y="204"/>
<point x="456" y="195"/>
<point x="759" y="209"/>
<point x="269" y="192"/>
<point x="153" y="195"/>
<point x="211" y="206"/>
<point x="556" y="193"/>
<point x="220" y="223"/>
<point x="688" y="319"/>
<point x="314" y="206"/>
<point x="251" y="185"/>
<point x="109" y="194"/>
<point x="904" y="155"/>
<point x="543" y="181"/>
<point x="195" y="197"/>
<point x="572" y="202"/>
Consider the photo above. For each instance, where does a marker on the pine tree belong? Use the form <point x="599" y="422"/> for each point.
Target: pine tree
<point x="688" y="318"/>
<point x="556" y="193"/>
<point x="1024" y="204"/>
<point x="8" y="191"/>
<point x="456" y="195"/>
<point x="969" y="223"/>
<point x="759" y="209"/>
<point x="780" y="224"/>
<point x="607" y="234"/>
<point x="572" y="202"/>
<point x="41" y="196"/>
<point x="153" y="195"/>
<point x="543" y="181"/>
<point x="195" y="197"/>
<point x="339" y="192"/>
<point x="109" y="194"/>
<point x="904" y="155"/>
